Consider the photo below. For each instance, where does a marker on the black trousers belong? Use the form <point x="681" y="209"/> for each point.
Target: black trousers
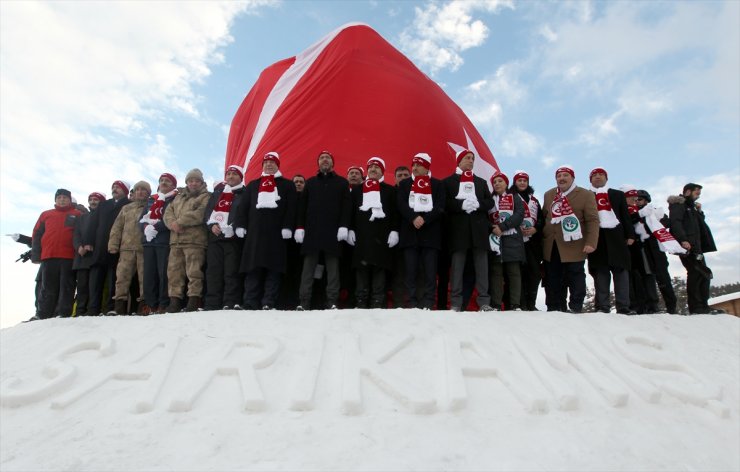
<point x="421" y="261"/>
<point x="531" y="278"/>
<point x="57" y="289"/>
<point x="83" y="291"/>
<point x="225" y="282"/>
<point x="331" y="265"/>
<point x="575" y="280"/>
<point x="370" y="284"/>
<point x="698" y="277"/>
<point x="261" y="288"/>
<point x="100" y="274"/>
<point x="665" y="285"/>
<point x="156" y="294"/>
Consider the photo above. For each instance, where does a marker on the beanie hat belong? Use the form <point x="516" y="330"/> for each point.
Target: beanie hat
<point x="520" y="174"/>
<point x="272" y="156"/>
<point x="423" y="159"/>
<point x="143" y="184"/>
<point x="598" y="170"/>
<point x="123" y="184"/>
<point x="325" y="152"/>
<point x="462" y="153"/>
<point x="378" y="162"/>
<point x="63" y="191"/>
<point x="238" y="170"/>
<point x="644" y="194"/>
<point x="565" y="168"/>
<point x="194" y="174"/>
<point x="362" y="171"/>
<point x="169" y="176"/>
<point x="502" y="175"/>
<point x="629" y="190"/>
<point x="98" y="195"/>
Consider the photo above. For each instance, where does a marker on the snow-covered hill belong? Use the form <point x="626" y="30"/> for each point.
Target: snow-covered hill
<point x="371" y="390"/>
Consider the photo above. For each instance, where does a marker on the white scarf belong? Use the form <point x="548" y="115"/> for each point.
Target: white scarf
<point x="466" y="190"/>
<point x="607" y="218"/>
<point x="666" y="241"/>
<point x="562" y="213"/>
<point x="267" y="193"/>
<point x="420" y="197"/>
<point x="220" y="213"/>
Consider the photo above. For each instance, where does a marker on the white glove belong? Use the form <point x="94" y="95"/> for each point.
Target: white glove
<point x="351" y="237"/>
<point x="287" y="234"/>
<point x="150" y="233"/>
<point x="393" y="238"/>
<point x="469" y="206"/>
<point x="299" y="234"/>
<point x="342" y="234"/>
<point x="240" y="232"/>
<point x="228" y="231"/>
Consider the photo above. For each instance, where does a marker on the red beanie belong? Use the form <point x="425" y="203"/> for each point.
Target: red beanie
<point x="520" y="174"/>
<point x="362" y="171"/>
<point x="98" y="195"/>
<point x="502" y="175"/>
<point x="598" y="170"/>
<point x="169" y="176"/>
<point x="567" y="169"/>
<point x="126" y="187"/>
<point x="238" y="170"/>
<point x="271" y="156"/>
<point x="462" y="153"/>
<point x="422" y="158"/>
<point x="378" y="162"/>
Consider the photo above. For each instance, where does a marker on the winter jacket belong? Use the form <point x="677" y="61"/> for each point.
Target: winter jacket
<point x="612" y="249"/>
<point x="52" y="234"/>
<point x="512" y="245"/>
<point x="163" y="232"/>
<point x="583" y="204"/>
<point x="213" y="201"/>
<point x="430" y="234"/>
<point x="187" y="210"/>
<point x="371" y="245"/>
<point x="687" y="225"/>
<point x="534" y="244"/>
<point x="81" y="226"/>
<point x="98" y="231"/>
<point x="323" y="208"/>
<point x="264" y="246"/>
<point x="467" y="230"/>
<point x="125" y="235"/>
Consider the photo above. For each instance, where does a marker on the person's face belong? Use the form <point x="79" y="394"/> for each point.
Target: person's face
<point x="62" y="201"/>
<point x="326" y="163"/>
<point x="632" y="201"/>
<point x="417" y="169"/>
<point x="521" y="184"/>
<point x="564" y="180"/>
<point x="269" y="167"/>
<point x="404" y="174"/>
<point x="233" y="178"/>
<point x="598" y="180"/>
<point x="354" y="176"/>
<point x="93" y="202"/>
<point x="696" y="193"/>
<point x="466" y="163"/>
<point x="499" y="185"/>
<point x="374" y="171"/>
<point x="299" y="183"/>
<point x="166" y="185"/>
<point x="141" y="194"/>
<point x="117" y="191"/>
<point x="194" y="184"/>
<point x="641" y="202"/>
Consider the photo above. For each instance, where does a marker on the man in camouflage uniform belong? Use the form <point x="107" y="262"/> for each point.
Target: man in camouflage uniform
<point x="125" y="240"/>
<point x="188" y="242"/>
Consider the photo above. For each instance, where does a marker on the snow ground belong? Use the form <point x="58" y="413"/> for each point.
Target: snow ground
<point x="371" y="390"/>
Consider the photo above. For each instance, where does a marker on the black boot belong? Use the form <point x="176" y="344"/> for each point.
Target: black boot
<point x="121" y="306"/>
<point x="175" y="305"/>
<point x="193" y="304"/>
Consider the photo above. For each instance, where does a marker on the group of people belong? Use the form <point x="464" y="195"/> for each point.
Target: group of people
<point x="331" y="242"/>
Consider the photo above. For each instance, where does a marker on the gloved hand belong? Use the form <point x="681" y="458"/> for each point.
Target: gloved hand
<point x="342" y="233"/>
<point x="393" y="238"/>
<point x="351" y="237"/>
<point x="469" y="206"/>
<point x="299" y="234"/>
<point x="287" y="234"/>
<point x="150" y="233"/>
<point x="228" y="231"/>
<point x="240" y="232"/>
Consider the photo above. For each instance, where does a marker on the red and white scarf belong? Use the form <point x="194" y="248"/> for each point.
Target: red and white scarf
<point x="157" y="208"/>
<point x="220" y="213"/>
<point x="466" y="190"/>
<point x="562" y="213"/>
<point x="420" y="198"/>
<point x="267" y="195"/>
<point x="371" y="198"/>
<point x="607" y="218"/>
<point x="639" y="227"/>
<point x="666" y="241"/>
<point x="504" y="210"/>
<point x="530" y="213"/>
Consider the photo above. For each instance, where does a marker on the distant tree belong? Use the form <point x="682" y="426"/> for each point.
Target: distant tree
<point x="719" y="290"/>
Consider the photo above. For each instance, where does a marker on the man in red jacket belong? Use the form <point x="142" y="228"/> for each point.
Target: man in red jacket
<point x="53" y="248"/>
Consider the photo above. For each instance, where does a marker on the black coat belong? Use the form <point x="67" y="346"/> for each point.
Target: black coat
<point x="687" y="224"/>
<point x="430" y="234"/>
<point x="81" y="225"/>
<point x="465" y="231"/>
<point x="323" y="208"/>
<point x="534" y="245"/>
<point x="264" y="246"/>
<point x="235" y="204"/>
<point x="98" y="231"/>
<point x="371" y="246"/>
<point x="612" y="249"/>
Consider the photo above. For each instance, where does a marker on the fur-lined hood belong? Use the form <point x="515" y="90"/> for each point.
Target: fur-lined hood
<point x="673" y="199"/>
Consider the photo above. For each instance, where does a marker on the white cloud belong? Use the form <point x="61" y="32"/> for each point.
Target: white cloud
<point x="520" y="143"/>
<point x="439" y="33"/>
<point x="547" y="33"/>
<point x="548" y="161"/>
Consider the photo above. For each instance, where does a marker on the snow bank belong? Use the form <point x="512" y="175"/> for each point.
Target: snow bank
<point x="371" y="390"/>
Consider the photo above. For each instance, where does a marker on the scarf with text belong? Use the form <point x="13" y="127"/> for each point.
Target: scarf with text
<point x="607" y="218"/>
<point x="420" y="198"/>
<point x="530" y="213"/>
<point x="267" y="195"/>
<point x="466" y="190"/>
<point x="503" y="210"/>
<point x="666" y="241"/>
<point x="220" y="213"/>
<point x="562" y="213"/>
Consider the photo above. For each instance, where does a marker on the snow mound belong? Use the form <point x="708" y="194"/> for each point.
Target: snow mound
<point x="371" y="390"/>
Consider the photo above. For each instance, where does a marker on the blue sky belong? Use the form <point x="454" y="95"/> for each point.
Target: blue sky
<point x="91" y="92"/>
